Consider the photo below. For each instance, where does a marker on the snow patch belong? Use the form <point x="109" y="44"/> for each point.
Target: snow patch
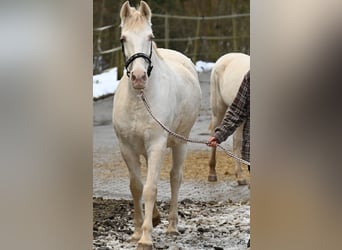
<point x="107" y="82"/>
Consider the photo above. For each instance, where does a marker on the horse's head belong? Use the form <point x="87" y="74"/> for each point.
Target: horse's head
<point x="136" y="39"/>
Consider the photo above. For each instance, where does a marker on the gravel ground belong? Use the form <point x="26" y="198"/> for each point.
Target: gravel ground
<point x="202" y="225"/>
<point x="211" y="215"/>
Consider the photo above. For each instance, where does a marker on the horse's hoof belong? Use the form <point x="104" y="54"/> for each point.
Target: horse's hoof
<point x="144" y="247"/>
<point x="156" y="221"/>
<point x="212" y="178"/>
<point x="175" y="233"/>
<point x="242" y="182"/>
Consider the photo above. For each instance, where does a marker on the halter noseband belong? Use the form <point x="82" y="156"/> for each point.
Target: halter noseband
<point x="135" y="56"/>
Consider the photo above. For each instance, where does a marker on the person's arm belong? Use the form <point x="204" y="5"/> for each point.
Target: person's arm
<point x="235" y="115"/>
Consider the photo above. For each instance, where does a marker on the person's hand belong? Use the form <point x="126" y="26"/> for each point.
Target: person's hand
<point x="212" y="142"/>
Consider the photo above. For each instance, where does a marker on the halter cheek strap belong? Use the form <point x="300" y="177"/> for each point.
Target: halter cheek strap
<point x="135" y="56"/>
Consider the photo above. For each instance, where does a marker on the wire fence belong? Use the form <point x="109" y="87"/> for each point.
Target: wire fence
<point x="198" y="37"/>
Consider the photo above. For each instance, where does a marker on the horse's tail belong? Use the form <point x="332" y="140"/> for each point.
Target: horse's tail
<point x="215" y="95"/>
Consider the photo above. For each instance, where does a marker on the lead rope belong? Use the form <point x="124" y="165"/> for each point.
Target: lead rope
<point x="143" y="98"/>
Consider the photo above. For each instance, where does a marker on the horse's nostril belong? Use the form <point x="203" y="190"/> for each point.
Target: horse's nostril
<point x="139" y="76"/>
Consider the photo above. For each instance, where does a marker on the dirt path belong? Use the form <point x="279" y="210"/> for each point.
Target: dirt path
<point x="110" y="181"/>
<point x="109" y="166"/>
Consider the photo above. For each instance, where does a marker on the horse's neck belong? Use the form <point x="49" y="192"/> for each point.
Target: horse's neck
<point x="156" y="80"/>
<point x="157" y="62"/>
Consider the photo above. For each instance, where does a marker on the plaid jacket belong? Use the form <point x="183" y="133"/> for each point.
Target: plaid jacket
<point x="236" y="114"/>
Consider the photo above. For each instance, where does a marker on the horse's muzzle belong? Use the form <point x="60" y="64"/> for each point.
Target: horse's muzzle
<point x="138" y="79"/>
<point x="138" y="85"/>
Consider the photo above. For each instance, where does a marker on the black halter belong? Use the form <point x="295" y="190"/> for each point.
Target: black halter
<point x="135" y="56"/>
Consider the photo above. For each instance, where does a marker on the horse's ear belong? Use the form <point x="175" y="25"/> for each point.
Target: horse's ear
<point x="145" y="11"/>
<point x="125" y="12"/>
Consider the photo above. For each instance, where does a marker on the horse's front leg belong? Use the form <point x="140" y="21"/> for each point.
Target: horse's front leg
<point x="136" y="187"/>
<point x="155" y="157"/>
<point x="178" y="156"/>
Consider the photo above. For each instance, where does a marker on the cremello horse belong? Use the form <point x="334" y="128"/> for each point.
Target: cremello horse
<point x="226" y="78"/>
<point x="173" y="92"/>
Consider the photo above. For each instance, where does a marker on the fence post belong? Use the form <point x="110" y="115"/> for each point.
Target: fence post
<point x="166" y="31"/>
<point x="198" y="28"/>
<point x="234" y="28"/>
<point x="193" y="48"/>
<point x="120" y="58"/>
<point x="98" y="64"/>
<point x="113" y="58"/>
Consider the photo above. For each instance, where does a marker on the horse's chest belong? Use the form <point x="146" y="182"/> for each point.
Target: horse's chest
<point x="132" y="124"/>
